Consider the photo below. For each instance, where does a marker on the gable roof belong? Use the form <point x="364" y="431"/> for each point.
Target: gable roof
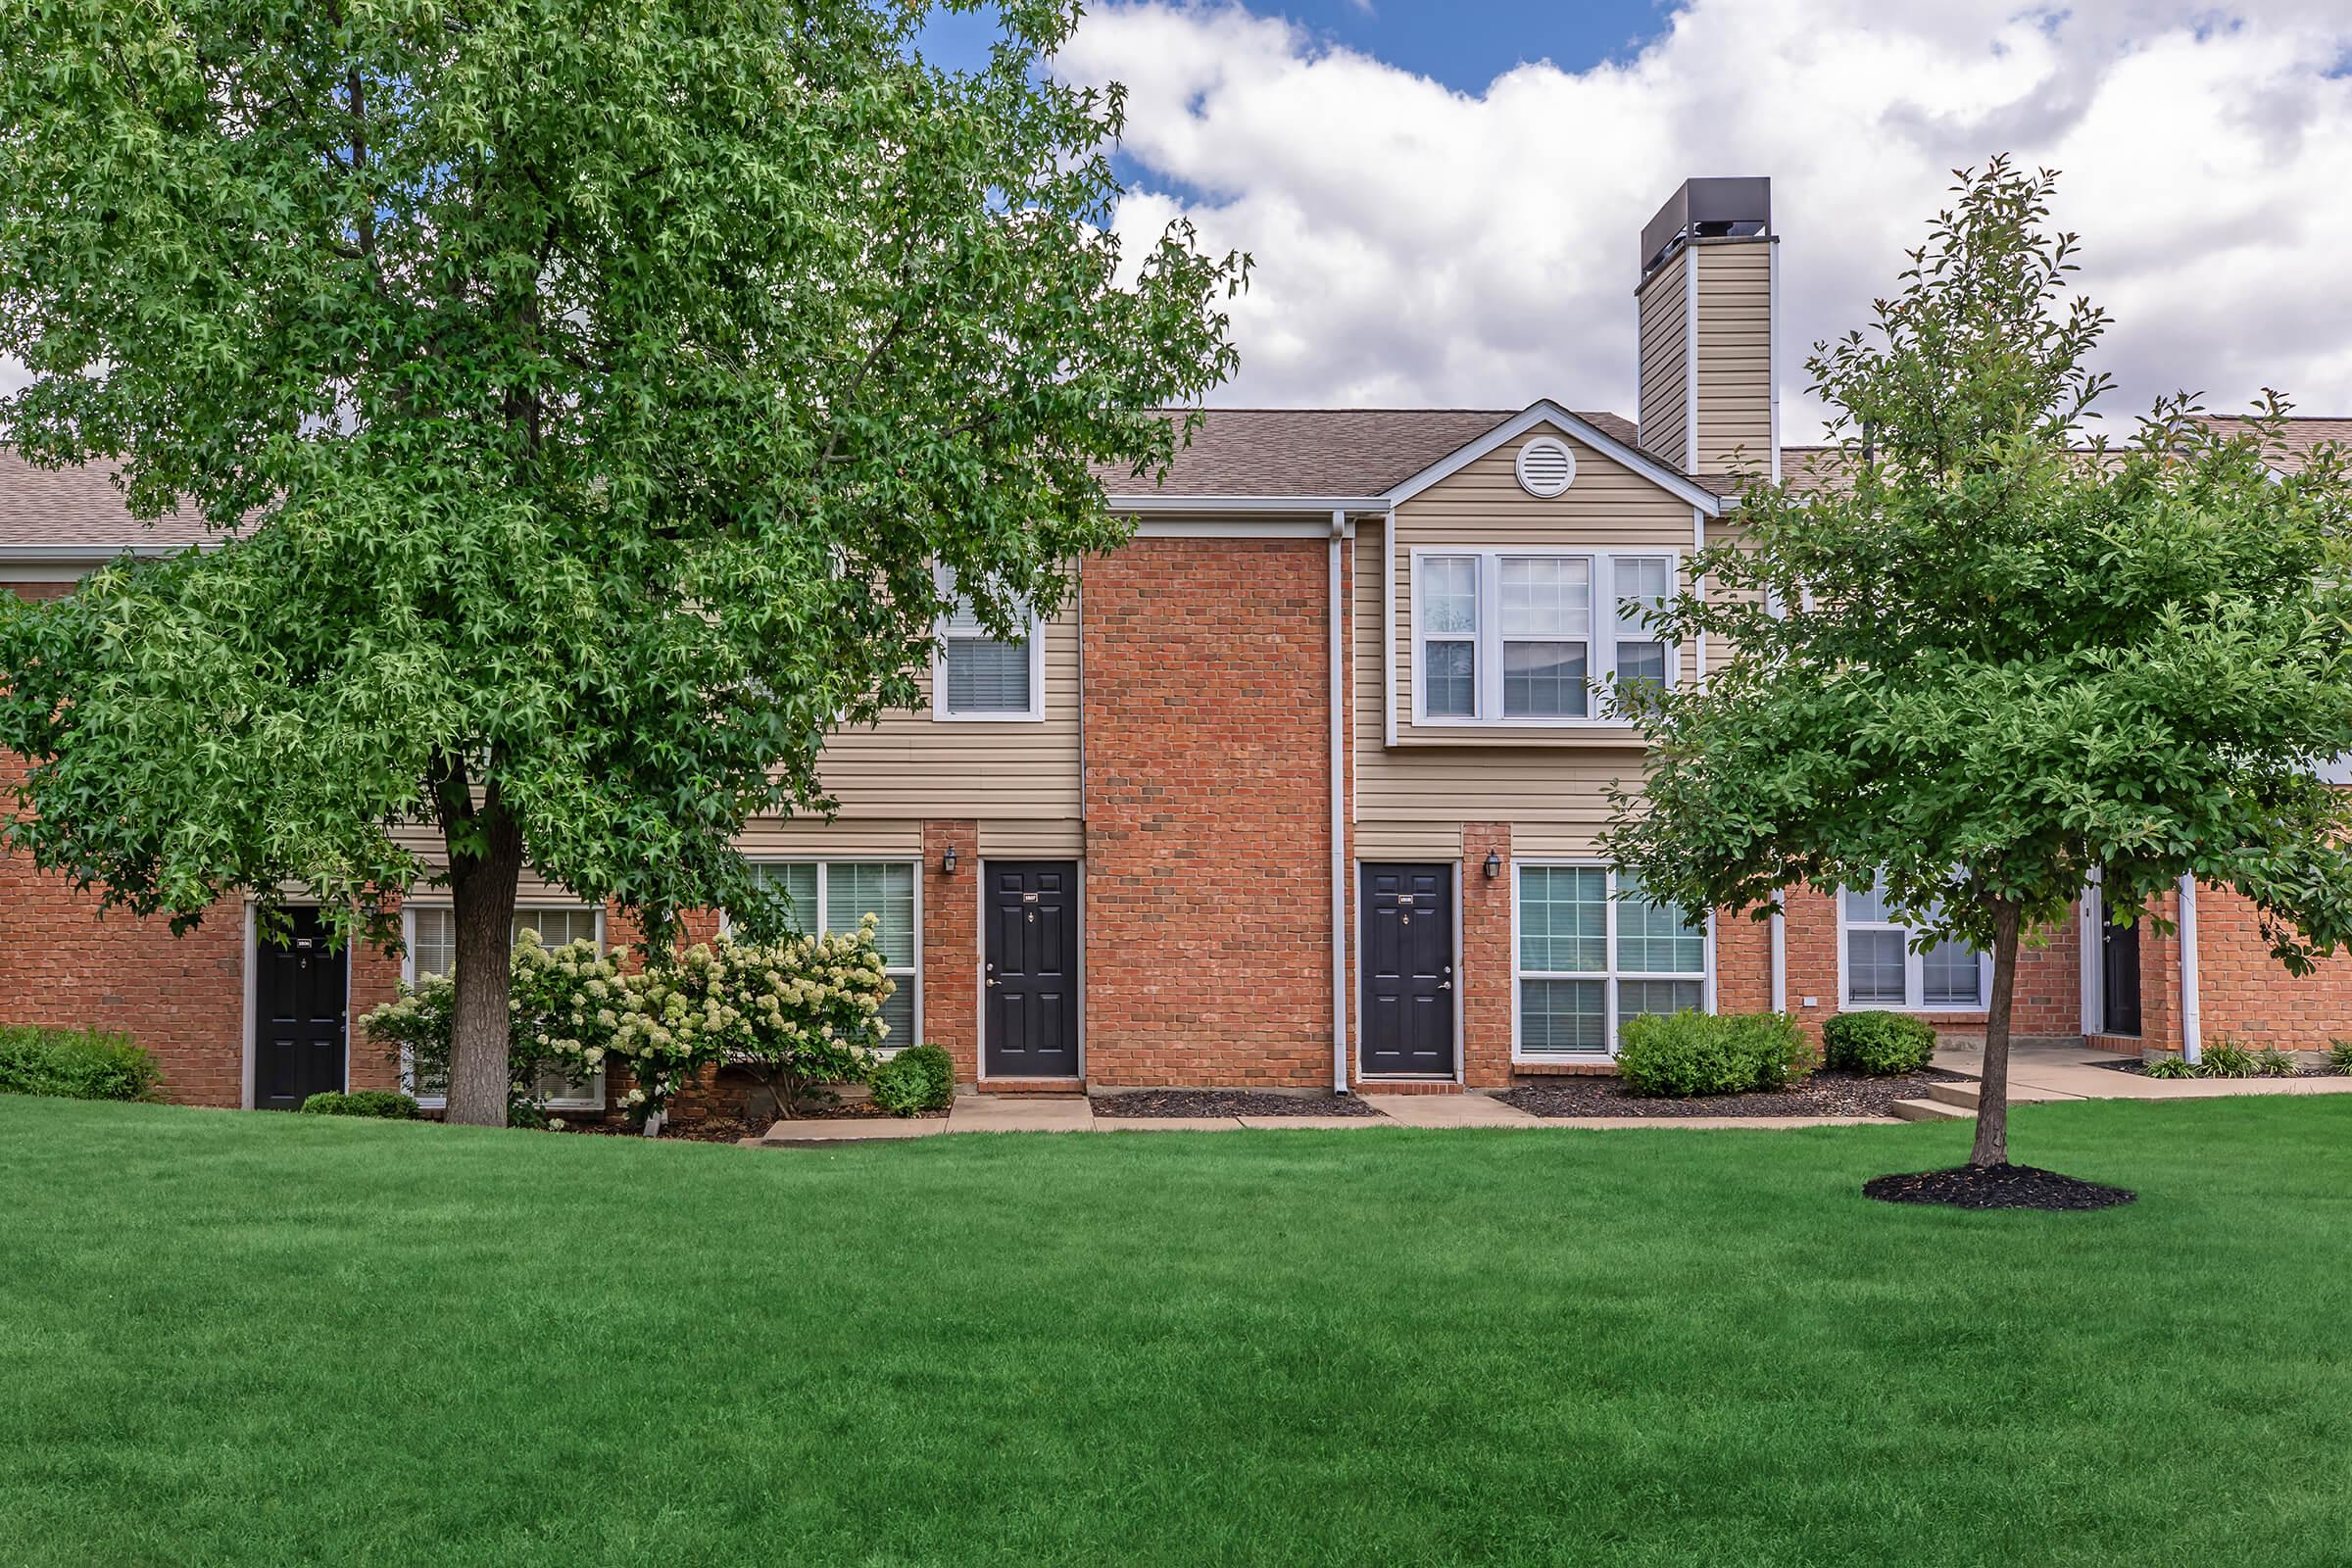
<point x="79" y="511"/>
<point x="1362" y="454"/>
<point x="1581" y="426"/>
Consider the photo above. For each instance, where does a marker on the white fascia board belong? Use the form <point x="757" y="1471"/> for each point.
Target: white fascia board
<point x="1229" y="506"/>
<point x="1549" y="413"/>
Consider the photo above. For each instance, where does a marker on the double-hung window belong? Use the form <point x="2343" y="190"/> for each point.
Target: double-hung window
<point x="1523" y="637"/>
<point x="1594" y="950"/>
<point x="834" y="896"/>
<point x="978" y="675"/>
<point x="432" y="943"/>
<point x="1882" y="970"/>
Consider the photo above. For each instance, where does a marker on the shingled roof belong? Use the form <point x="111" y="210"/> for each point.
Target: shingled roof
<point x="80" y="509"/>
<point x="1321" y="452"/>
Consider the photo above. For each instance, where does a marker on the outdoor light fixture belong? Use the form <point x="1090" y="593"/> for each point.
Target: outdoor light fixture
<point x="1493" y="864"/>
<point x="947" y="861"/>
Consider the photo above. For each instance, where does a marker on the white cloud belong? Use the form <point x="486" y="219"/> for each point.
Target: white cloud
<point x="1418" y="245"/>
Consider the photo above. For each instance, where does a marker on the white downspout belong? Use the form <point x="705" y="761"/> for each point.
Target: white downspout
<point x="1339" y="819"/>
<point x="2192" y="1025"/>
<point x="1779" y="957"/>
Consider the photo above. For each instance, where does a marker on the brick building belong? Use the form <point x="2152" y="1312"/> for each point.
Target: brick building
<point x="1304" y="788"/>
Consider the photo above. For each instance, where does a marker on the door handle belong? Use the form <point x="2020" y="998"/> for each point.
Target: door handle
<point x="991" y="975"/>
<point x="1445" y="984"/>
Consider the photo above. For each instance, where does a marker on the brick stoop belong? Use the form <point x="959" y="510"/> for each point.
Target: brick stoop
<point x="1564" y="1069"/>
<point x="1075" y="1086"/>
<point x="1406" y="1086"/>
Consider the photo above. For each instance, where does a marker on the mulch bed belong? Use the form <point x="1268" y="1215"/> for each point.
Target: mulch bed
<point x="709" y="1130"/>
<point x="1828" y="1092"/>
<point x="1996" y="1187"/>
<point x="1226" y="1103"/>
<point x="2140" y="1069"/>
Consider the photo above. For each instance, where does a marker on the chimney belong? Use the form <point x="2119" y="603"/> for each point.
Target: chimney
<point x="1705" y="305"/>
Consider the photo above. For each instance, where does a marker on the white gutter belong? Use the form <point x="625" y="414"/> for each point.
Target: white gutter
<point x="1339" y="819"/>
<point x="2191" y="1024"/>
<point x="1228" y="506"/>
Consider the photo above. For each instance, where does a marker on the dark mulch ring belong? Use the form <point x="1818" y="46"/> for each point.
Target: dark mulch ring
<point x="1828" y="1092"/>
<point x="1996" y="1187"/>
<point x="2140" y="1069"/>
<point x="1226" y="1102"/>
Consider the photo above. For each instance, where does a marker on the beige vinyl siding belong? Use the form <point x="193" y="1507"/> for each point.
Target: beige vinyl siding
<point x="1663" y="308"/>
<point x="913" y="766"/>
<point x="1735" y="355"/>
<point x="1610" y="508"/>
<point x="1412" y="800"/>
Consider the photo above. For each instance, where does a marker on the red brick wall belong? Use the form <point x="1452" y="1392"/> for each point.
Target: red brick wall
<point x="1487" y="973"/>
<point x="952" y="944"/>
<point x="2243" y="994"/>
<point x="1209" y="839"/>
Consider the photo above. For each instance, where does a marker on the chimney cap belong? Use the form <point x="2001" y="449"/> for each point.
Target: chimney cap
<point x="1709" y="208"/>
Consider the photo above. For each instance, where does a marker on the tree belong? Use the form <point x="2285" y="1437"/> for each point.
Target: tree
<point x="585" y="394"/>
<point x="1984" y="659"/>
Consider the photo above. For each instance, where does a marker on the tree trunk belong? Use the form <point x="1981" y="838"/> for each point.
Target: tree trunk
<point x="482" y="895"/>
<point x="1992" y="1092"/>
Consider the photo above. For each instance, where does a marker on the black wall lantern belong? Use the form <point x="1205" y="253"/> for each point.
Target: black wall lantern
<point x="1493" y="864"/>
<point x="947" y="861"/>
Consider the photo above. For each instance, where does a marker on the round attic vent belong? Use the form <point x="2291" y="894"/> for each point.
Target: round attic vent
<point x="1547" y="467"/>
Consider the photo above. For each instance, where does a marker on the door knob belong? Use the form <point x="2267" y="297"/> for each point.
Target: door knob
<point x="1445" y="984"/>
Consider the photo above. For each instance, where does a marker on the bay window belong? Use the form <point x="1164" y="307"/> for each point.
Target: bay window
<point x="1520" y="637"/>
<point x="1593" y="949"/>
<point x="1884" y="971"/>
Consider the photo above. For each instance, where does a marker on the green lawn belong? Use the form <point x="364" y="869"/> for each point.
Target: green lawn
<point x="245" y="1339"/>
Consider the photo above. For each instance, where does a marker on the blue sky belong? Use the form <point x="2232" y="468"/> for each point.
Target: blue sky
<point x="1464" y="45"/>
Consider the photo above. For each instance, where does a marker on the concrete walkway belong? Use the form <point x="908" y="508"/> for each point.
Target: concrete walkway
<point x="2042" y="1073"/>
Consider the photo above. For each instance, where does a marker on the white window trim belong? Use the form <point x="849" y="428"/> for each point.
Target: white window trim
<point x="408" y="973"/>
<point x="905" y="974"/>
<point x="940" y="711"/>
<point x="1610" y="975"/>
<point x="1913" y="986"/>
<point x="1601" y="640"/>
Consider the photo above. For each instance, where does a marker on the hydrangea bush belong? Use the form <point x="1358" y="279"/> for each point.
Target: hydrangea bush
<point x="565" y="1004"/>
<point x="802" y="1012"/>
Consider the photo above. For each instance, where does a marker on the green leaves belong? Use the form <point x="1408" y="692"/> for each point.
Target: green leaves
<point x="589" y="389"/>
<point x="1987" y="659"/>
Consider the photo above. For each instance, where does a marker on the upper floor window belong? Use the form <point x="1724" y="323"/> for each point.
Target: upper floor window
<point x="1882" y="971"/>
<point x="978" y="675"/>
<point x="1515" y="637"/>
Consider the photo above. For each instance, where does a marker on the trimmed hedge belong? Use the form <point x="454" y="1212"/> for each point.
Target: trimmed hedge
<point x="74" y="1064"/>
<point x="917" y="1079"/>
<point x="1685" y="1054"/>
<point x="1879" y="1044"/>
<point x="380" y="1103"/>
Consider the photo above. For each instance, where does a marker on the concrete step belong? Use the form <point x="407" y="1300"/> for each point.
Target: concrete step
<point x="1929" y="1110"/>
<point x="1963" y="1094"/>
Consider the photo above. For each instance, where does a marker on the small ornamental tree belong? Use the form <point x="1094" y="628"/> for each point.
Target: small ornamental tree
<point x="1985" y="659"/>
<point x="595" y="401"/>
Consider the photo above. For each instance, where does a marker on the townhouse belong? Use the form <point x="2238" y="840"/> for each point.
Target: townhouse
<point x="1303" y="789"/>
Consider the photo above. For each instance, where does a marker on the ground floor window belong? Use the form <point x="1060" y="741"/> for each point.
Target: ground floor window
<point x="1883" y="968"/>
<point x="432" y="943"/>
<point x="1593" y="949"/>
<point x="834" y="896"/>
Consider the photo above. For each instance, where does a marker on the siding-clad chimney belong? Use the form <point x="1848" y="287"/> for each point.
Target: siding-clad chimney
<point x="1706" y="299"/>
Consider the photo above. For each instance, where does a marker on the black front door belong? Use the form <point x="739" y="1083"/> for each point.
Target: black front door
<point x="1407" y="964"/>
<point x="2119" y="978"/>
<point x="1031" y="979"/>
<point x="298" y="1003"/>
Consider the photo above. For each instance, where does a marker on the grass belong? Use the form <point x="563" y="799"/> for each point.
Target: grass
<point x="249" y="1338"/>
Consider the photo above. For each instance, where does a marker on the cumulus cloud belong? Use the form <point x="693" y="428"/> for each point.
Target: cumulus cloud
<point x="1417" y="245"/>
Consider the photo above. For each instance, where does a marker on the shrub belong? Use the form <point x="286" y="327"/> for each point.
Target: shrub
<point x="379" y="1102"/>
<point x="797" y="1013"/>
<point x="74" y="1064"/>
<point x="1686" y="1054"/>
<point x="1879" y="1044"/>
<point x="2271" y="1062"/>
<point x="2167" y="1067"/>
<point x="2340" y="1054"/>
<point x="917" y="1079"/>
<point x="2227" y="1059"/>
